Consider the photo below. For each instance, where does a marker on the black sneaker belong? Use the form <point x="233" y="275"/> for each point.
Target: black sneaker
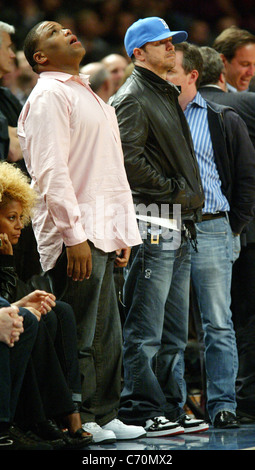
<point x="161" y="427"/>
<point x="16" y="439"/>
<point x="192" y="424"/>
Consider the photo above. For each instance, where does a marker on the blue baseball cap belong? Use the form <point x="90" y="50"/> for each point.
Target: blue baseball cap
<point x="149" y="30"/>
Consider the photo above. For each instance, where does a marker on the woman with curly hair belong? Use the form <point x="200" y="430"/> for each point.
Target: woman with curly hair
<point x="57" y="328"/>
<point x="14" y="185"/>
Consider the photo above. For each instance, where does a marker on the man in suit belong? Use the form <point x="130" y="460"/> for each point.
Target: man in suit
<point x="226" y="159"/>
<point x="237" y="49"/>
<point x="213" y="88"/>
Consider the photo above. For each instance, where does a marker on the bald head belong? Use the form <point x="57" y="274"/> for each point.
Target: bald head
<point x="100" y="79"/>
<point x="116" y="64"/>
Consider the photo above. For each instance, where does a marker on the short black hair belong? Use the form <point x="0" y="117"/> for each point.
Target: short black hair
<point x="30" y="46"/>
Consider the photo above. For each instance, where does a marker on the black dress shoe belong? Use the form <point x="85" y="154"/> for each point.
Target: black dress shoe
<point x="225" y="420"/>
<point x="49" y="432"/>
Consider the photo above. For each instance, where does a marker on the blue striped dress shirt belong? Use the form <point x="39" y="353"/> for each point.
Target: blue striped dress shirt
<point x="196" y="115"/>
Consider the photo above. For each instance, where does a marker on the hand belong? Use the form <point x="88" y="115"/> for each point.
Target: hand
<point x="40" y="301"/>
<point x="15" y="152"/>
<point x="79" y="261"/>
<point x="11" y="325"/>
<point x="35" y="312"/>
<point x="122" y="257"/>
<point x="5" y="245"/>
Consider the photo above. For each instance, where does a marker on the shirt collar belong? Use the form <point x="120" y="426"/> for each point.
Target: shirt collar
<point x="64" y="77"/>
<point x="197" y="101"/>
<point x="155" y="78"/>
<point x="231" y="88"/>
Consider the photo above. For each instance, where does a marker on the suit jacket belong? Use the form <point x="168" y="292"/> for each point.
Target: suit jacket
<point x="235" y="160"/>
<point x="4" y="137"/>
<point x="242" y="102"/>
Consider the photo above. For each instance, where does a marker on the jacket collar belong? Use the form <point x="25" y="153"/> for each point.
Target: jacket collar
<point x="155" y="80"/>
<point x="215" y="88"/>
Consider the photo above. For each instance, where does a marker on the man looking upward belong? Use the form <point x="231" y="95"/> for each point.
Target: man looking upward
<point x="71" y="145"/>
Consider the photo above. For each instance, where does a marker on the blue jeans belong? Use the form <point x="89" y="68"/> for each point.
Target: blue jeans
<point x="211" y="273"/>
<point x="156" y="296"/>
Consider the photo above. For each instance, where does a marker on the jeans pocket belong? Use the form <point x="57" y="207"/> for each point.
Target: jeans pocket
<point x="214" y="228"/>
<point x="236" y="246"/>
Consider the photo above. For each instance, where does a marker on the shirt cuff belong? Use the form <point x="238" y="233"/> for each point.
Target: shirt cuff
<point x="74" y="235"/>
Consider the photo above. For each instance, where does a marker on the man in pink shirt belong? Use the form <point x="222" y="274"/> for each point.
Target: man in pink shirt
<point x="71" y="146"/>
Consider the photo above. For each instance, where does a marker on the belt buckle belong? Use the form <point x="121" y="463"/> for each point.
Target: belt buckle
<point x="155" y="239"/>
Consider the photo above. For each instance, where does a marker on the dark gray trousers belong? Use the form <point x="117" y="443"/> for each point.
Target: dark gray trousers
<point x="98" y="331"/>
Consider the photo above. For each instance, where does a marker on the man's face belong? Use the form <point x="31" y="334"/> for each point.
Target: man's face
<point x="159" y="56"/>
<point x="58" y="45"/>
<point x="241" y="69"/>
<point x="177" y="75"/>
<point x="6" y="54"/>
<point x="116" y="66"/>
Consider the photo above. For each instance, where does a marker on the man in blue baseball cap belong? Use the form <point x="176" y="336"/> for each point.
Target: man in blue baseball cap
<point x="149" y="30"/>
<point x="163" y="174"/>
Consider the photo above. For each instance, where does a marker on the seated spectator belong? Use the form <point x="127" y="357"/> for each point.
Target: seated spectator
<point x="237" y="49"/>
<point x="116" y="64"/>
<point x="89" y="28"/>
<point x="17" y="336"/>
<point x="16" y="201"/>
<point x="4" y="137"/>
<point x="99" y="79"/>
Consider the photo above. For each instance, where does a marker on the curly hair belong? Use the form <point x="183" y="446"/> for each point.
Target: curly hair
<point x="15" y="186"/>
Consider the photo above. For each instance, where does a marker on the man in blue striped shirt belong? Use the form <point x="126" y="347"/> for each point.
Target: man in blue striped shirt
<point x="196" y="115"/>
<point x="226" y="160"/>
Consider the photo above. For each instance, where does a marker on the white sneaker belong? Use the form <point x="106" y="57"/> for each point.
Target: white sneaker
<point x="99" y="434"/>
<point x="161" y="426"/>
<point x="124" y="431"/>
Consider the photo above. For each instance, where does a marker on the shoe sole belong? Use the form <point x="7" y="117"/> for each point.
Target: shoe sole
<point x="228" y="426"/>
<point x="165" y="433"/>
<point x="123" y="437"/>
<point x="103" y="441"/>
<point x="79" y="445"/>
<point x="196" y="429"/>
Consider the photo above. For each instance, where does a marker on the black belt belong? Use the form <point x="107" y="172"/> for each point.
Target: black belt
<point x="217" y="215"/>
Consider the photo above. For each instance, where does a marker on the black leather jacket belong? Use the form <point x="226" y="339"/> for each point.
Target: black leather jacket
<point x="11" y="287"/>
<point x="159" y="158"/>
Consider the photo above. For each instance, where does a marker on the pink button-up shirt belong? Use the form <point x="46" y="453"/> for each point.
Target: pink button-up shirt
<point x="71" y="145"/>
